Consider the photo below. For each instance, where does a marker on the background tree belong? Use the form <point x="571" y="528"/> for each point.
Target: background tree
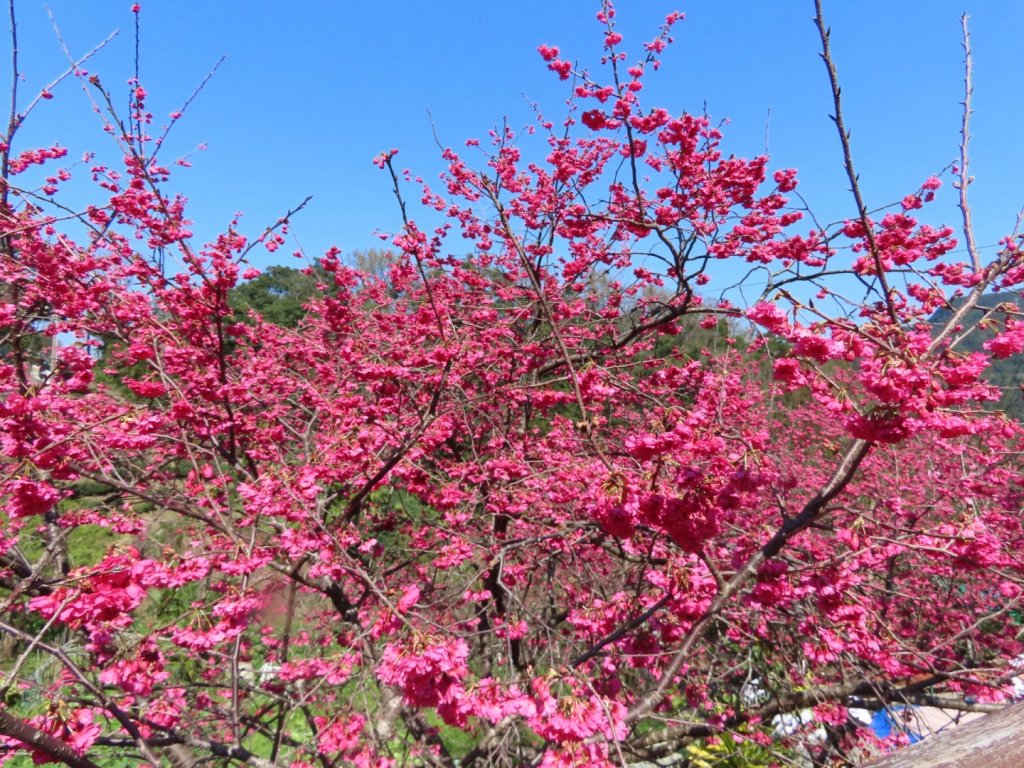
<point x="278" y="295"/>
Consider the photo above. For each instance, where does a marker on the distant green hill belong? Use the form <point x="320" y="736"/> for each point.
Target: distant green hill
<point x="1006" y="374"/>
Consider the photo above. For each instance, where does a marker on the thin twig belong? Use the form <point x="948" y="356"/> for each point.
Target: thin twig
<point x="965" y="138"/>
<point x="844" y="138"/>
<point x="12" y="120"/>
<point x="184" y="107"/>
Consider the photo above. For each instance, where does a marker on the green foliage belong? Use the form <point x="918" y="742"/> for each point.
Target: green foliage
<point x="457" y="742"/>
<point x="86" y="544"/>
<point x="279" y="295"/>
<point x="375" y="262"/>
<point x="694" y="341"/>
<point x="729" y="751"/>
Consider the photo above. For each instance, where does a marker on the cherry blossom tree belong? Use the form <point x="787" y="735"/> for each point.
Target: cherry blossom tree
<point x="546" y="503"/>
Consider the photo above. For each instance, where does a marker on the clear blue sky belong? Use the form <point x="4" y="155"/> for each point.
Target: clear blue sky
<point x="311" y="91"/>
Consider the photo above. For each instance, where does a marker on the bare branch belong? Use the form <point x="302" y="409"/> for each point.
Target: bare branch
<point x="965" y="138"/>
<point x="851" y="173"/>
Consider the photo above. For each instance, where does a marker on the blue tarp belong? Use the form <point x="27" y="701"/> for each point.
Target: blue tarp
<point x="888" y="721"/>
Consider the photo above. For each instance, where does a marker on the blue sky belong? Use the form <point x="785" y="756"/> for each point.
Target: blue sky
<point x="311" y="91"/>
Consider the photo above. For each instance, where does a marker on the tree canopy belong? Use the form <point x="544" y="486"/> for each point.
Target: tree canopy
<point x="278" y="295"/>
<point x="518" y="491"/>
